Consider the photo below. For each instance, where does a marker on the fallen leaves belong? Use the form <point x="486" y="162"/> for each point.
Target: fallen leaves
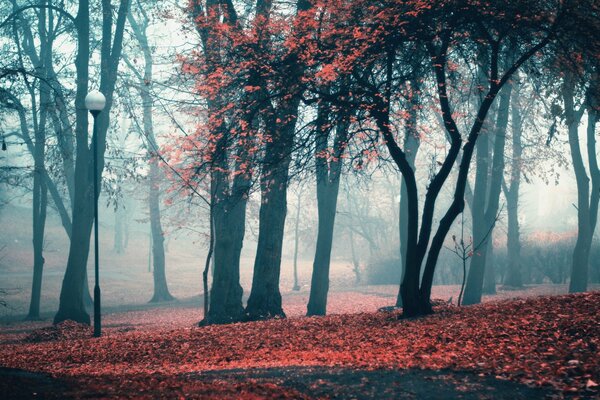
<point x="66" y="330"/>
<point x="552" y="342"/>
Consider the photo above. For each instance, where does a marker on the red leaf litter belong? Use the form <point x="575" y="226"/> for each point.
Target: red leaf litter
<point x="67" y="330"/>
<point x="551" y="342"/>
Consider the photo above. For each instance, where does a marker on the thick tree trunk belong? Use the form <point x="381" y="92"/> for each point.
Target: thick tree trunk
<point x="71" y="296"/>
<point x="327" y="193"/>
<point x="265" y="298"/>
<point x="411" y="147"/>
<point x="228" y="208"/>
<point x="71" y="305"/>
<point x="489" y="278"/>
<point x="226" y="291"/>
<point x="587" y="200"/>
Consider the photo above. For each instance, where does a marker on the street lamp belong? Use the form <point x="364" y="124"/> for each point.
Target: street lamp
<point x="95" y="102"/>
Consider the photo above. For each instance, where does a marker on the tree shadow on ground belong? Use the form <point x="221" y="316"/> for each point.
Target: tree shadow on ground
<point x="347" y="383"/>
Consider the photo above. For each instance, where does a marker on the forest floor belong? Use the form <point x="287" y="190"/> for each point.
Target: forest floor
<point x="540" y="347"/>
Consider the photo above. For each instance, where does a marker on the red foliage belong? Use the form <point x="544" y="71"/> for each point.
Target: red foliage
<point x="545" y="341"/>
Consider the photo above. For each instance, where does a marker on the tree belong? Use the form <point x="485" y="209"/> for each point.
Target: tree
<point x="580" y="84"/>
<point x="71" y="302"/>
<point x="587" y="198"/>
<point x="229" y="187"/>
<point x="440" y="28"/>
<point x="513" y="276"/>
<point x="139" y="23"/>
<point x="486" y="200"/>
<point x="328" y="168"/>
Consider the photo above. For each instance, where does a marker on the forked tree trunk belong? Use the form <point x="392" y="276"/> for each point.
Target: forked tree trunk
<point x="483" y="230"/>
<point x="587" y="198"/>
<point x="71" y="305"/>
<point x="40" y="189"/>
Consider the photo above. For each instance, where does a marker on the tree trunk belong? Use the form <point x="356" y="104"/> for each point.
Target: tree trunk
<point x="411" y="147"/>
<point x="489" y="278"/>
<point x="226" y="292"/>
<point x="118" y="238"/>
<point x="587" y="206"/>
<point x="265" y="298"/>
<point x="297" y="239"/>
<point x="319" y="288"/>
<point x="228" y="208"/>
<point x="40" y="203"/>
<point x="328" y="165"/>
<point x="513" y="277"/>
<point x="483" y="229"/>
<point x="71" y="305"/>
<point x="161" y="290"/>
<point x="145" y="81"/>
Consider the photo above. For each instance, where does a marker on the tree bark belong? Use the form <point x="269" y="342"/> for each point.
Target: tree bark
<point x="71" y="305"/>
<point x="411" y="147"/>
<point x="489" y="277"/>
<point x="513" y="277"/>
<point x="161" y="289"/>
<point x="265" y="298"/>
<point x="118" y="237"/>
<point x="328" y="165"/>
<point x="587" y="198"/>
<point x="296" y="286"/>
<point x="280" y="120"/>
<point x="483" y="232"/>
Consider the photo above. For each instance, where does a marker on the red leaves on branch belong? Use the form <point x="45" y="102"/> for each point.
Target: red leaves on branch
<point x="545" y="342"/>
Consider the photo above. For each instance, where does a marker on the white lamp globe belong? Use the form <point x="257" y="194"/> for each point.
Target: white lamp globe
<point x="95" y="101"/>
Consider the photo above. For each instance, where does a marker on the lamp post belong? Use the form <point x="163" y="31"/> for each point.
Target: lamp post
<point x="95" y="102"/>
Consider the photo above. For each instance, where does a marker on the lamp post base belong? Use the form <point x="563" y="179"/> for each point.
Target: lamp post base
<point x="97" y="326"/>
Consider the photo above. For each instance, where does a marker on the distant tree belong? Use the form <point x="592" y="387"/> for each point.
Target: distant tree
<point x="139" y="22"/>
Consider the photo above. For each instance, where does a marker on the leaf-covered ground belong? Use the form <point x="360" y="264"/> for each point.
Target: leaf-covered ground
<point x="550" y="344"/>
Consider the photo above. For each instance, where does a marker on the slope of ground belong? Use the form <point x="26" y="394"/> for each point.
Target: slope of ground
<point x="549" y="345"/>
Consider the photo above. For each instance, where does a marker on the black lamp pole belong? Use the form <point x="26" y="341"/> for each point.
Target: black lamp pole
<point x="97" y="314"/>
